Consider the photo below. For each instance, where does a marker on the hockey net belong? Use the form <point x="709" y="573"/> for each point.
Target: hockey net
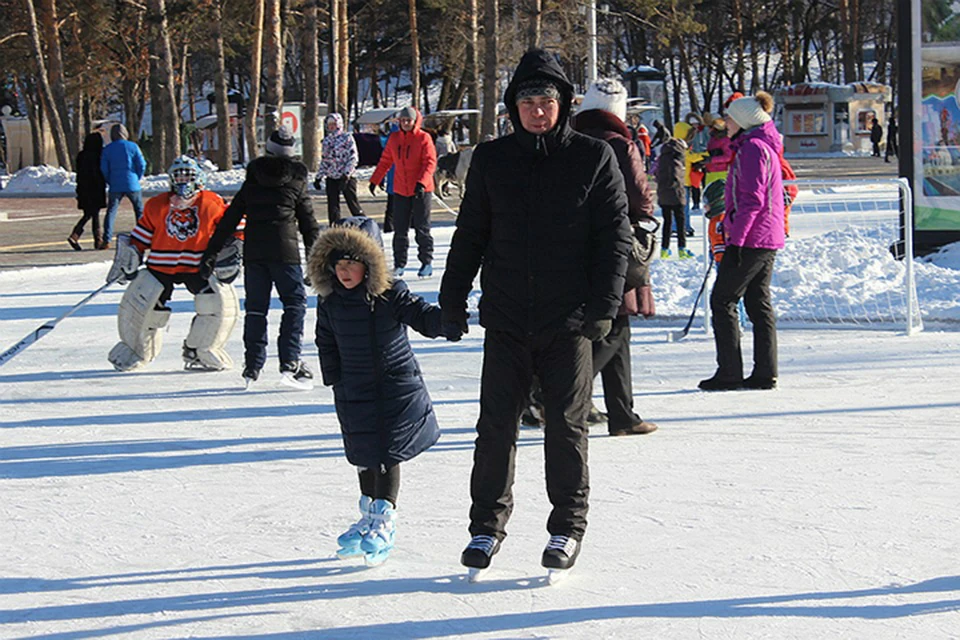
<point x="839" y="265"/>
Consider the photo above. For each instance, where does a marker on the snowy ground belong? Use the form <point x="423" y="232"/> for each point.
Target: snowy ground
<point x="167" y="504"/>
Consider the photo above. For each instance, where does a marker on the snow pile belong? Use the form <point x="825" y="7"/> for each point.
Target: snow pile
<point x="42" y="180"/>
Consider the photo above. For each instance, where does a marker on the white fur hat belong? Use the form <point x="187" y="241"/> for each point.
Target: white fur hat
<point x="747" y="112"/>
<point x="607" y="94"/>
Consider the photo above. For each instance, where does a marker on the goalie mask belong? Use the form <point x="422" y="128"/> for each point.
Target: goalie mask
<point x="186" y="177"/>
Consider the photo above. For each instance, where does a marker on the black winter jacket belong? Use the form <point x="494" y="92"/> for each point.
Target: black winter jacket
<point x="385" y="412"/>
<point x="274" y="199"/>
<point x="546" y="216"/>
<point x="91" y="185"/>
<point x="671" y="167"/>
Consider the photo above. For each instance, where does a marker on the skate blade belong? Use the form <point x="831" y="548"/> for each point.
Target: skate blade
<point x="376" y="559"/>
<point x="475" y="575"/>
<point x="556" y="576"/>
<point x="290" y="381"/>
<point x="345" y="553"/>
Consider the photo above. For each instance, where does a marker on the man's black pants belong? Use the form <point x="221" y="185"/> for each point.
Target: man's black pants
<point x="407" y="210"/>
<point x="563" y="362"/>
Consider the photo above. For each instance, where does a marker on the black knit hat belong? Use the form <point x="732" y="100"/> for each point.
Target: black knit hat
<point x="538" y="86"/>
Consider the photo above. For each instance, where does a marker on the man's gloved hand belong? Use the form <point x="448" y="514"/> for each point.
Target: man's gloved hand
<point x="373" y="189"/>
<point x="594" y="330"/>
<point x="454" y="325"/>
<point x="419" y="190"/>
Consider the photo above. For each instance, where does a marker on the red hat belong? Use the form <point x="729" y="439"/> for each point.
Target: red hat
<point x="736" y="95"/>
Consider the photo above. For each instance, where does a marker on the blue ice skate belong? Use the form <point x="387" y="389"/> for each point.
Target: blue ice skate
<point x="379" y="539"/>
<point x="350" y="539"/>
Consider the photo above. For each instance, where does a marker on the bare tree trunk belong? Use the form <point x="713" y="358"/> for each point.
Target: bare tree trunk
<point x="334" y="66"/>
<point x="534" y="32"/>
<point x="51" y="35"/>
<point x="414" y="56"/>
<point x="737" y="9"/>
<point x="250" y="121"/>
<point x="847" y="30"/>
<point x="343" y="60"/>
<point x="224" y="139"/>
<point x="59" y="138"/>
<point x="688" y="76"/>
<point x="273" y="64"/>
<point x="491" y="19"/>
<point x="311" y="115"/>
<point x="170" y="110"/>
<point x="473" y="69"/>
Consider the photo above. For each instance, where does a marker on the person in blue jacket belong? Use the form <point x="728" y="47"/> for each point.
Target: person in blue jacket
<point x="122" y="166"/>
<point x="385" y="413"/>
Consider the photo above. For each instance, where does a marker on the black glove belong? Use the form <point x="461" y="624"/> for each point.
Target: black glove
<point x="734" y="252"/>
<point x="373" y="189"/>
<point x="418" y="190"/>
<point x="594" y="330"/>
<point x="454" y="325"/>
<point x="206" y="267"/>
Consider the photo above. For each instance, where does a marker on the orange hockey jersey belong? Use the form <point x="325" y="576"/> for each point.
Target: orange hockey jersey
<point x="177" y="237"/>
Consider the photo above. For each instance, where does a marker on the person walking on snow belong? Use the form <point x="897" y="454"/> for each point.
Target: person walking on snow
<point x="671" y="193"/>
<point x="122" y="166"/>
<point x="412" y="152"/>
<point x="382" y="403"/>
<point x="338" y="166"/>
<point x="274" y="199"/>
<point x="544" y="213"/>
<point x="91" y="190"/>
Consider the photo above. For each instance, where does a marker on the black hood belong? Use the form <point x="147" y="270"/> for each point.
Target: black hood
<point x="276" y="171"/>
<point x="534" y="63"/>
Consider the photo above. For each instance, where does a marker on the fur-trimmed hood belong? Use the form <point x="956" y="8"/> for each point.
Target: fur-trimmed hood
<point x="356" y="243"/>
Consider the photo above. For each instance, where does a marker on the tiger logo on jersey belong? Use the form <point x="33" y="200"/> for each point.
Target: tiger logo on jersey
<point x="183" y="224"/>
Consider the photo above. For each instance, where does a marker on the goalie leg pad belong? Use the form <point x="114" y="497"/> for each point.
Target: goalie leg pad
<point x="217" y="313"/>
<point x="139" y="322"/>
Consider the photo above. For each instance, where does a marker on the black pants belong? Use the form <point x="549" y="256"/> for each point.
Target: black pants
<point x="563" y="363"/>
<point x="381" y="483"/>
<point x="194" y="283"/>
<point x="876" y="149"/>
<point x="348" y="186"/>
<point x="674" y="212"/>
<point x="750" y="280"/>
<point x="92" y="214"/>
<point x="407" y="210"/>
<point x="611" y="359"/>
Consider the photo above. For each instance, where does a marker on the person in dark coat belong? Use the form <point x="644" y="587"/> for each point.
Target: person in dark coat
<point x="892" y="143"/>
<point x="382" y="403"/>
<point x="274" y="200"/>
<point x="545" y="213"/>
<point x="91" y="190"/>
<point x="876" y="137"/>
<point x="601" y="115"/>
<point x="671" y="192"/>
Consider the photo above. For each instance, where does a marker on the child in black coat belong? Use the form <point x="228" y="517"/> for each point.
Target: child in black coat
<point x="385" y="412"/>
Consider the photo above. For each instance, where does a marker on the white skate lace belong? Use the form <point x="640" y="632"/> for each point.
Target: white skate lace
<point x="483" y="543"/>
<point x="566" y="544"/>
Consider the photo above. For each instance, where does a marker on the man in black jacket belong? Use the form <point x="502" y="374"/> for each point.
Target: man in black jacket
<point x="545" y="213"/>
<point x="274" y="200"/>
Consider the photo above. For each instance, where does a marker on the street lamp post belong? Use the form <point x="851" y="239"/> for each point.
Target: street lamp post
<point x="592" y="38"/>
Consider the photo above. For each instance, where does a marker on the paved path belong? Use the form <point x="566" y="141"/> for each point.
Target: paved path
<point x="34" y="230"/>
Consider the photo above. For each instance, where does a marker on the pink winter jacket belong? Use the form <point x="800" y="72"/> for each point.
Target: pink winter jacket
<point x="754" y="191"/>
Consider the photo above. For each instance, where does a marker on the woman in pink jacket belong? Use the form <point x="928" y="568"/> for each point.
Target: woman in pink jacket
<point x="753" y="227"/>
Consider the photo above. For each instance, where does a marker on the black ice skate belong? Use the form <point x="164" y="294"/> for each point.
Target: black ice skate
<point x="559" y="556"/>
<point x="296" y="375"/>
<point x="477" y="555"/>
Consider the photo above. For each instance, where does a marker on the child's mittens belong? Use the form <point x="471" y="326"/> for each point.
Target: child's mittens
<point x="454" y="325"/>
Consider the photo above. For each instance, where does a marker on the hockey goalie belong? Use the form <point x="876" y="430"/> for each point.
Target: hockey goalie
<point x="168" y="241"/>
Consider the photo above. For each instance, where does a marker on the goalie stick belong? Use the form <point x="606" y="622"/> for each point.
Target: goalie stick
<point x="675" y="336"/>
<point x="48" y="326"/>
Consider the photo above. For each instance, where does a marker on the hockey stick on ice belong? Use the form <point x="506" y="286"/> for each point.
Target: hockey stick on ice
<point x="48" y="326"/>
<point x="444" y="204"/>
<point x="676" y="336"/>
